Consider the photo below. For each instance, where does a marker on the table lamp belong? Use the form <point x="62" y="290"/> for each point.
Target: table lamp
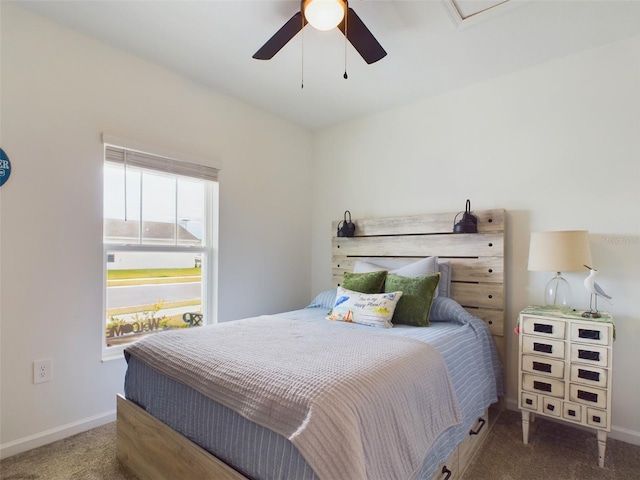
<point x="562" y="251"/>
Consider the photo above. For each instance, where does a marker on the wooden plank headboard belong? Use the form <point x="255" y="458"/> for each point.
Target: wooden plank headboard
<point x="477" y="259"/>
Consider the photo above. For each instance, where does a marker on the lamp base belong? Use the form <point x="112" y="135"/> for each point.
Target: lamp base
<point x="591" y="314"/>
<point x="557" y="293"/>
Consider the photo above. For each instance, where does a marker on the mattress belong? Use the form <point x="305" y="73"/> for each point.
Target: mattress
<point x="464" y="342"/>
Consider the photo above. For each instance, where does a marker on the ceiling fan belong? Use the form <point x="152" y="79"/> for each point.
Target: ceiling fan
<point x="325" y="15"/>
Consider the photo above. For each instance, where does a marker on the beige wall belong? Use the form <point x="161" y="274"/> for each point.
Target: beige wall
<point x="60" y="91"/>
<point x="557" y="146"/>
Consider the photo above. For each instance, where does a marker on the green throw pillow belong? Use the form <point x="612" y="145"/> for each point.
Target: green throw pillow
<point x="371" y="282"/>
<point x="417" y="297"/>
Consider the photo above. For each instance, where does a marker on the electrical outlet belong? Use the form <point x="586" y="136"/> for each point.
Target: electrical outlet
<point x="42" y="370"/>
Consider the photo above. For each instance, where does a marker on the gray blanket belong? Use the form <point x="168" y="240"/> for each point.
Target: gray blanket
<point x="358" y="404"/>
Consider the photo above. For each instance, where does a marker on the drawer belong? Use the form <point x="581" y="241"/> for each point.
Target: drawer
<point x="597" y="418"/>
<point x="529" y="401"/>
<point x="552" y="406"/>
<point x="543" y="346"/>
<point x="572" y="411"/>
<point x="544" y="327"/>
<point x="449" y="469"/>
<point x="473" y="441"/>
<point x="589" y="375"/>
<point x="588" y="354"/>
<point x="544" y="385"/>
<point x="594" y="397"/>
<point x="543" y="366"/>
<point x="591" y="332"/>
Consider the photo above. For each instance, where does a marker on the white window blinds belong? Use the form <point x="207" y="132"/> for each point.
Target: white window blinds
<point x="135" y="158"/>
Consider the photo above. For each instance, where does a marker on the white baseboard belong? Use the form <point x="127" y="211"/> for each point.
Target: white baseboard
<point x="619" y="433"/>
<point x="625" y="435"/>
<point x="48" y="436"/>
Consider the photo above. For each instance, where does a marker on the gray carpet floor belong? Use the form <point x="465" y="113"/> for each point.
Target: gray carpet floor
<point x="555" y="452"/>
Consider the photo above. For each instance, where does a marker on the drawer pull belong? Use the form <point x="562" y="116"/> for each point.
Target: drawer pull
<point x="542" y="328"/>
<point x="476" y="432"/>
<point x="550" y="407"/>
<point x="528" y="401"/>
<point x="542" y="367"/>
<point x="571" y="413"/>
<point x="542" y="386"/>
<point x="589" y="355"/>
<point x="447" y="471"/>
<point x="596" y="419"/>
<point x="589" y="375"/>
<point x="588" y="396"/>
<point x="542" y="347"/>
<point x="589" y="334"/>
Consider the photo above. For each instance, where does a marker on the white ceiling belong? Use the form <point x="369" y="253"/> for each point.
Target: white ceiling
<point x="430" y="51"/>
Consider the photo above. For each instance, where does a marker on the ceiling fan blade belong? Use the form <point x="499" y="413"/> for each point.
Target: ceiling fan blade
<point x="281" y="37"/>
<point x="361" y="38"/>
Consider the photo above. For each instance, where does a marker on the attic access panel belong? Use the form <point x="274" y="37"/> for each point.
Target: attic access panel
<point x="462" y="11"/>
<point x="468" y="8"/>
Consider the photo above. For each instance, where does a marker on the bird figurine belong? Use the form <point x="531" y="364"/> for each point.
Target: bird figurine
<point x="595" y="291"/>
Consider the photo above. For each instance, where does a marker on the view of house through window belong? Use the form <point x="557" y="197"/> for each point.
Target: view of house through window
<point x="158" y="243"/>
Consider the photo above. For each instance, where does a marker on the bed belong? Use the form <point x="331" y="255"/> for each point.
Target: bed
<point x="171" y="427"/>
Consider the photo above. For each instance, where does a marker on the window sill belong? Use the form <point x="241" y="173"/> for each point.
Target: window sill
<point x="113" y="353"/>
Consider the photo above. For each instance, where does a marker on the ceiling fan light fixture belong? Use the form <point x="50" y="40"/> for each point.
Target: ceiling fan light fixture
<point x="344" y="18"/>
<point x="324" y="14"/>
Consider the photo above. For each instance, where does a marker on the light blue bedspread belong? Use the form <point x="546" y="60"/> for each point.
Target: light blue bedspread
<point x="464" y="342"/>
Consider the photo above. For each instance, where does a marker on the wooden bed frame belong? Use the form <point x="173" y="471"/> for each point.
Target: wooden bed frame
<point x="153" y="451"/>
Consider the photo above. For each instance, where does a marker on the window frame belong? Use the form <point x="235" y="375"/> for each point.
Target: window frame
<point x="209" y="249"/>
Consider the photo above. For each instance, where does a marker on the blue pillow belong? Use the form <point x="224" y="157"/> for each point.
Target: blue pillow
<point x="446" y="309"/>
<point x="324" y="299"/>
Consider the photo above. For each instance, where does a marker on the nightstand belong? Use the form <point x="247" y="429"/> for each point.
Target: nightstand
<point x="565" y="369"/>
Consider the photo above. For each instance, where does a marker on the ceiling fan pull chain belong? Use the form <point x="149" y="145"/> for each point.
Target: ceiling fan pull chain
<point x="126" y="152"/>
<point x="346" y="32"/>
<point x="302" y="54"/>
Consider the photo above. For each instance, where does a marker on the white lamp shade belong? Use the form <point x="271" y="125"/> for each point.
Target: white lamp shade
<point x="324" y="14"/>
<point x="562" y="251"/>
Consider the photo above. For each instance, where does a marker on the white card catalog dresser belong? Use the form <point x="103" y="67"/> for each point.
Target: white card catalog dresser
<point x="565" y="369"/>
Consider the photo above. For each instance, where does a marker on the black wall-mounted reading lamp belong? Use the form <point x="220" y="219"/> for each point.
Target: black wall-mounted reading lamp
<point x="469" y="222"/>
<point x="346" y="228"/>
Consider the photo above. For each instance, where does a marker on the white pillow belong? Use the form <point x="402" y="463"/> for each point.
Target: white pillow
<point x="398" y="266"/>
<point x="410" y="268"/>
<point x="373" y="309"/>
<point x="444" y="287"/>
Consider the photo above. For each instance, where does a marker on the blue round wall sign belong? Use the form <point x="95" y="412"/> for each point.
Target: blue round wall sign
<point x="5" y="167"/>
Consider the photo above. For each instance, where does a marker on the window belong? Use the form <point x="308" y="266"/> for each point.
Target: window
<point x="160" y="238"/>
